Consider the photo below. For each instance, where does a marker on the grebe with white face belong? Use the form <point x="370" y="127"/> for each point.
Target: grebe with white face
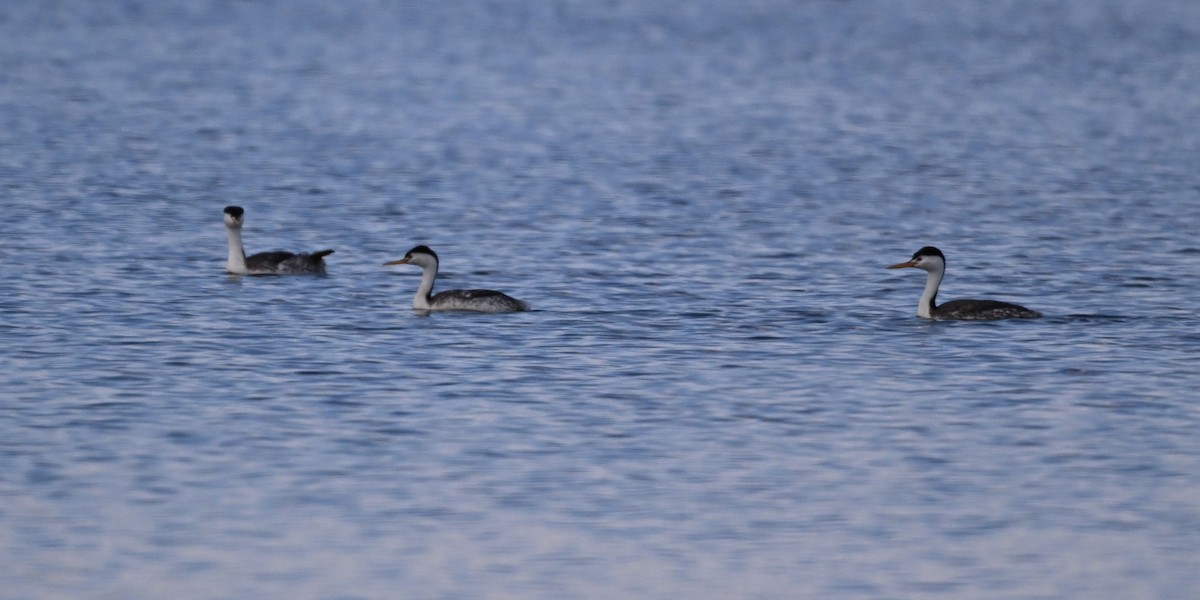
<point x="470" y="300"/>
<point x="932" y="261"/>
<point x="266" y="263"/>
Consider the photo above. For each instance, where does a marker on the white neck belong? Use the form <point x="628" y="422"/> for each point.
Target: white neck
<point x="932" y="280"/>
<point x="421" y="298"/>
<point x="236" y="263"/>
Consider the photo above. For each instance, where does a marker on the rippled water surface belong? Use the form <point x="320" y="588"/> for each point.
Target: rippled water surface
<point x="722" y="393"/>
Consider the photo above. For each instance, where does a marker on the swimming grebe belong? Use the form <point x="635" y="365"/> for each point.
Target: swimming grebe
<point x="265" y="263"/>
<point x="932" y="261"/>
<point x="472" y="300"/>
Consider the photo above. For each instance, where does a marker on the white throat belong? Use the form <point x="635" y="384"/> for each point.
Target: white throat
<point x="428" y="274"/>
<point x="932" y="280"/>
<point x="236" y="263"/>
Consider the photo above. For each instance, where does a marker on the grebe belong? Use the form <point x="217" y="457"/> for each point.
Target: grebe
<point x="265" y="263"/>
<point x="474" y="300"/>
<point x="932" y="261"/>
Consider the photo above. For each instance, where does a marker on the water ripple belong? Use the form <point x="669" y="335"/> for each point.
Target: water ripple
<point x="721" y="392"/>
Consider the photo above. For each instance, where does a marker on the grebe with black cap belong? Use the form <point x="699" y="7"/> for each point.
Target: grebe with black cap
<point x="266" y="263"/>
<point x="470" y="300"/>
<point x="932" y="261"/>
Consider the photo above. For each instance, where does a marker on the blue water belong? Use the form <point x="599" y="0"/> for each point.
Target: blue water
<point x="722" y="392"/>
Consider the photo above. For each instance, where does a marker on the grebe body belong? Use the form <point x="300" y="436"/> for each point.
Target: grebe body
<point x="266" y="263"/>
<point x="933" y="262"/>
<point x="489" y="301"/>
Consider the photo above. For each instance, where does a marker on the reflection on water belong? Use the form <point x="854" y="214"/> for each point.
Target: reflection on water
<point x="721" y="392"/>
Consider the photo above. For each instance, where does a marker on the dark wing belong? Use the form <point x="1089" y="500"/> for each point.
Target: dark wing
<point x="287" y="262"/>
<point x="268" y="261"/>
<point x="471" y="294"/>
<point x="479" y="300"/>
<point x="983" y="310"/>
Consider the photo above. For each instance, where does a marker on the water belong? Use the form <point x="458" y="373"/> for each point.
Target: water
<point x="722" y="393"/>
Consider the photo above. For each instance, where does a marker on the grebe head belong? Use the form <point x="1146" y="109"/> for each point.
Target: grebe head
<point x="233" y="216"/>
<point x="422" y="256"/>
<point x="927" y="259"/>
